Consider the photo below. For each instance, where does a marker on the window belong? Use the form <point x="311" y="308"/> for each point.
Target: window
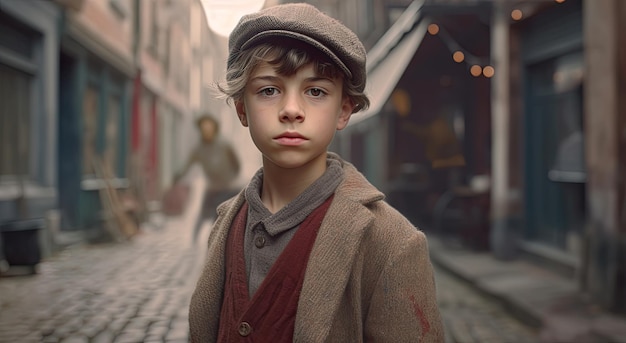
<point x="15" y="120"/>
<point x="90" y="129"/>
<point x="569" y="160"/>
<point x="112" y="134"/>
<point x="17" y="92"/>
<point x="555" y="161"/>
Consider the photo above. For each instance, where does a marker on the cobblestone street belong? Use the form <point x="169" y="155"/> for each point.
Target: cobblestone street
<point x="139" y="292"/>
<point x="470" y="317"/>
<point x="122" y="292"/>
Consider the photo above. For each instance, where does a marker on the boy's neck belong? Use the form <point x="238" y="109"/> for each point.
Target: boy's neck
<point x="281" y="186"/>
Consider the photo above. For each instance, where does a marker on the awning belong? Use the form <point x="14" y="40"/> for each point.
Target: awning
<point x="389" y="58"/>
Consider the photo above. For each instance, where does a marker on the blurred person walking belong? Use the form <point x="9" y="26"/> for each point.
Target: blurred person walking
<point x="221" y="167"/>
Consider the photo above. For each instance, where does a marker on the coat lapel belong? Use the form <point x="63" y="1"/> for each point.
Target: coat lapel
<point x="329" y="268"/>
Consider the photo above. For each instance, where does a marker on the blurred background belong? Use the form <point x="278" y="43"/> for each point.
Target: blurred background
<point x="497" y="126"/>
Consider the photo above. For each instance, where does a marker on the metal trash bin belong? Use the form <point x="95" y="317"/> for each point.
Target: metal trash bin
<point x="20" y="240"/>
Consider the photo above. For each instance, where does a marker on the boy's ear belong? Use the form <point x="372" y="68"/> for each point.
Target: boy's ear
<point x="240" y="107"/>
<point x="347" y="106"/>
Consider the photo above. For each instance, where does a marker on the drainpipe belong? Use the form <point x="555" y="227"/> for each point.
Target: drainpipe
<point x="503" y="238"/>
<point x="135" y="132"/>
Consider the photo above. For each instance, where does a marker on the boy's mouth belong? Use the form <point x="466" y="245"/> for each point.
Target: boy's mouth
<point x="290" y="138"/>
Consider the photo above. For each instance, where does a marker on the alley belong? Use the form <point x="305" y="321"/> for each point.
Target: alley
<point x="139" y="291"/>
<point x="504" y="117"/>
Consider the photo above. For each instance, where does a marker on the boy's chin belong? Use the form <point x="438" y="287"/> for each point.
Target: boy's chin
<point x="297" y="160"/>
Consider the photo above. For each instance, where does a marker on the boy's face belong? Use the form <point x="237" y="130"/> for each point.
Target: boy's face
<point x="292" y="119"/>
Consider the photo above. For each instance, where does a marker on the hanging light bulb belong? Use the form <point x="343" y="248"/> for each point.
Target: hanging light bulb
<point x="476" y="70"/>
<point x="433" y="29"/>
<point x="458" y="56"/>
<point x="488" y="71"/>
<point x="517" y="14"/>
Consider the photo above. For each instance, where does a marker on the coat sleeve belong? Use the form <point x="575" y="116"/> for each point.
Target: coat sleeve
<point x="403" y="306"/>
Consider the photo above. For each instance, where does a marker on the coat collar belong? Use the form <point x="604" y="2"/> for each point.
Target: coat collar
<point x="355" y="186"/>
<point x="333" y="254"/>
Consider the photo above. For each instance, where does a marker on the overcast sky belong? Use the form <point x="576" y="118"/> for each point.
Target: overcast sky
<point x="223" y="15"/>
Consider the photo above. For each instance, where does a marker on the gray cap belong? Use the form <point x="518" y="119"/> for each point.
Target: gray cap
<point x="305" y="23"/>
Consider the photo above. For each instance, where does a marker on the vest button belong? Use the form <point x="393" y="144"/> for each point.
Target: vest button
<point x="244" y="329"/>
<point x="259" y="242"/>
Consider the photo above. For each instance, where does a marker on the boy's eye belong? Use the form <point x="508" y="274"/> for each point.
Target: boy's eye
<point x="315" y="92"/>
<point x="269" y="91"/>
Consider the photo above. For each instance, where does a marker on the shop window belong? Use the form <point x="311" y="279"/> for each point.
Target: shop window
<point x="112" y="136"/>
<point x="569" y="163"/>
<point x="15" y="123"/>
<point x="556" y="173"/>
<point x="90" y="129"/>
<point x="17" y="78"/>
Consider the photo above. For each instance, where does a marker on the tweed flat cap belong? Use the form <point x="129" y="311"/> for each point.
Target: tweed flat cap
<point x="305" y="23"/>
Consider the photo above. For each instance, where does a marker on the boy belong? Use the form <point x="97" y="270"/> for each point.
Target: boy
<point x="308" y="251"/>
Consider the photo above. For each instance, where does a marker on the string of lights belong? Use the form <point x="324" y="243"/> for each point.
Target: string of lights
<point x="477" y="66"/>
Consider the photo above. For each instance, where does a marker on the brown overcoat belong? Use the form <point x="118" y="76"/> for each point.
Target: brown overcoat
<point x="369" y="277"/>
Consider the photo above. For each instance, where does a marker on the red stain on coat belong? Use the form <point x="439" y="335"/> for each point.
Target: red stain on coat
<point x="421" y="316"/>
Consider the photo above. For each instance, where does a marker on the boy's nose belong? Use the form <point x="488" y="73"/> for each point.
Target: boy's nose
<point x="292" y="110"/>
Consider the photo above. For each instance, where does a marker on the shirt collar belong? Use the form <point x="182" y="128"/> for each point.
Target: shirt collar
<point x="297" y="210"/>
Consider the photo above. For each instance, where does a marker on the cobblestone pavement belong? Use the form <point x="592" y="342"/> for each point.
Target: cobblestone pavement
<point x="139" y="292"/>
<point x="470" y="317"/>
<point x="136" y="291"/>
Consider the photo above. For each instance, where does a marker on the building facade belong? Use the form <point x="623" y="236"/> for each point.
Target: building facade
<point x="151" y="57"/>
<point x="96" y="70"/>
<point x="98" y="96"/>
<point x="29" y="55"/>
<point x="558" y="181"/>
<point x="500" y="122"/>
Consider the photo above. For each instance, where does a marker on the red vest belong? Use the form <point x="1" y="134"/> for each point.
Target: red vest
<point x="271" y="313"/>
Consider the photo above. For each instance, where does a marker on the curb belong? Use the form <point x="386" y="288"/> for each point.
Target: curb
<point x="537" y="297"/>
